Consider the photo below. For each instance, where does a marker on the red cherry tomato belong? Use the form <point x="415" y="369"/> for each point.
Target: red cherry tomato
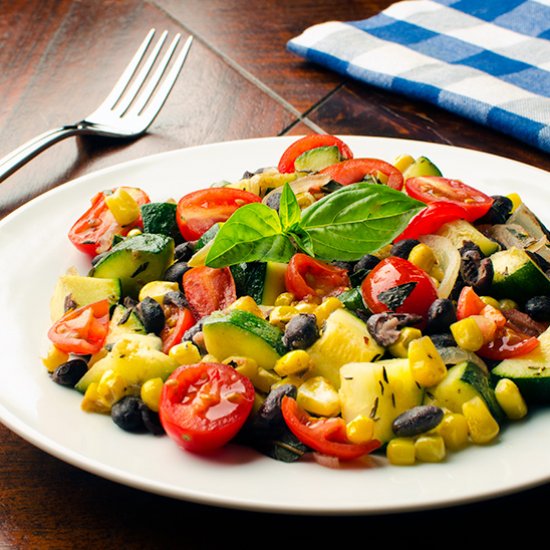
<point x="93" y="232"/>
<point x="200" y="210"/>
<point x="395" y="284"/>
<point x="203" y="406"/>
<point x="355" y="170"/>
<point x="208" y="289"/>
<point x="507" y="343"/>
<point x="288" y="158"/>
<point x="177" y="321"/>
<point x="431" y="218"/>
<point x="82" y="330"/>
<point x="306" y="276"/>
<point x="468" y="303"/>
<point x="324" y="435"/>
<point x="429" y="189"/>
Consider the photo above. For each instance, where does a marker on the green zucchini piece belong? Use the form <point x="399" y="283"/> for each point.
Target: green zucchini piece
<point x="82" y="291"/>
<point x="242" y="333"/>
<point x="136" y="261"/>
<point x="422" y="166"/>
<point x="517" y="276"/>
<point x="250" y="279"/>
<point x="274" y="282"/>
<point x="530" y="372"/>
<point x="123" y="321"/>
<point x="463" y="382"/>
<point x="317" y="159"/>
<point x="160" y="218"/>
<point x="207" y="236"/>
<point x="461" y="231"/>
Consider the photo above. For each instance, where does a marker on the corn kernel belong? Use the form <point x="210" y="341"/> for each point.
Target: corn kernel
<point x="185" y="353"/>
<point x="294" y="362"/>
<point x="280" y="315"/>
<point x="112" y="387"/>
<point x="507" y="303"/>
<point x="510" y="399"/>
<point x="305" y="199"/>
<point x="284" y="299"/>
<point x="134" y="232"/>
<point x="401" y="347"/>
<point x="209" y="358"/>
<point x="327" y="306"/>
<point x="54" y="358"/>
<point x="400" y="451"/>
<point x="402" y="162"/>
<point x="318" y="396"/>
<point x="430" y="448"/>
<point x="150" y="392"/>
<point x="156" y="290"/>
<point x="467" y="334"/>
<point x="481" y="424"/>
<point x="93" y="402"/>
<point x="490" y="301"/>
<point x="244" y="365"/>
<point x="264" y="379"/>
<point x="247" y="303"/>
<point x="422" y="256"/>
<point x="454" y="431"/>
<point x="437" y="273"/>
<point x="427" y="367"/>
<point x="306" y="307"/>
<point x="360" y="429"/>
<point x="123" y="206"/>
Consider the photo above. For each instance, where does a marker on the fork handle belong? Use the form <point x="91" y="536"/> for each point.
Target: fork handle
<point x="20" y="156"/>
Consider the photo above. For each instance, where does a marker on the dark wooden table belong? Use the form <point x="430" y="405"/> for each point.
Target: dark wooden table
<point x="58" y="59"/>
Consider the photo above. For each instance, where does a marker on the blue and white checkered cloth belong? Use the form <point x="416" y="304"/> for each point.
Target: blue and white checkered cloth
<point x="487" y="60"/>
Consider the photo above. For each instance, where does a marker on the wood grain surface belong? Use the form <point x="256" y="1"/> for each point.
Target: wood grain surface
<point x="58" y="59"/>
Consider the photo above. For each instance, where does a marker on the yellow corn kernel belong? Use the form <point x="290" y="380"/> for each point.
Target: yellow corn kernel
<point x="318" y="396"/>
<point x="54" y="358"/>
<point x="280" y="315"/>
<point x="306" y="307"/>
<point x="467" y="334"/>
<point x="185" y="353"/>
<point x="294" y="362"/>
<point x="402" y="162"/>
<point x="516" y="200"/>
<point x="482" y="426"/>
<point x="510" y="399"/>
<point x="264" y="379"/>
<point x="430" y="448"/>
<point x="400" y="451"/>
<point x="209" y="358"/>
<point x="437" y="273"/>
<point x="150" y="392"/>
<point x="94" y="402"/>
<point x="244" y="365"/>
<point x="507" y="303"/>
<point x="156" y="290"/>
<point x="123" y="206"/>
<point x="422" y="256"/>
<point x="247" y="303"/>
<point x="284" y="299"/>
<point x="401" y="347"/>
<point x="305" y="199"/>
<point x="325" y="308"/>
<point x="360" y="429"/>
<point x="490" y="301"/>
<point x="134" y="232"/>
<point x="112" y="387"/>
<point x="427" y="367"/>
<point x="454" y="431"/>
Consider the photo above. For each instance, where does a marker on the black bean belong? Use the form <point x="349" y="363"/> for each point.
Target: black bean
<point x="174" y="273"/>
<point x="475" y="270"/>
<point x="70" y="372"/>
<point x="417" y="420"/>
<point x="362" y="268"/>
<point x="443" y="340"/>
<point x="126" y="414"/>
<point x="184" y="251"/>
<point x="151" y="314"/>
<point x="175" y="298"/>
<point x="151" y="421"/>
<point x="273" y="200"/>
<point x="301" y="331"/>
<point x="499" y="212"/>
<point x="269" y="421"/>
<point x="538" y="308"/>
<point x="441" y="315"/>
<point x="386" y="327"/>
<point x="403" y="248"/>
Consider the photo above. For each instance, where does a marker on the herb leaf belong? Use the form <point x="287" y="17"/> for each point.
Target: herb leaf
<point x="289" y="209"/>
<point x="357" y="219"/>
<point x="252" y="233"/>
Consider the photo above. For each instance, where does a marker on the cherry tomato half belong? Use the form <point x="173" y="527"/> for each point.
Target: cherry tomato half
<point x="203" y="406"/>
<point x="324" y="435"/>
<point x="177" y="321"/>
<point x="431" y="218"/>
<point x="507" y="343"/>
<point x="429" y="189"/>
<point x="468" y="303"/>
<point x="208" y="289"/>
<point x="82" y="330"/>
<point x="93" y="232"/>
<point x="306" y="276"/>
<point x="198" y="211"/>
<point x="355" y="170"/>
<point x="395" y="284"/>
<point x="288" y="158"/>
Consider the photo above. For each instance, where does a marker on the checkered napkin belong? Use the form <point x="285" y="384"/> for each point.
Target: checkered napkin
<point x="487" y="60"/>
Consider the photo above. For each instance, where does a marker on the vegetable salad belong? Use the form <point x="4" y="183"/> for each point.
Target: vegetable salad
<point x="331" y="306"/>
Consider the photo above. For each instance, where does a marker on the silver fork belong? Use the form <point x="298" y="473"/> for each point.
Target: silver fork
<point x="128" y="110"/>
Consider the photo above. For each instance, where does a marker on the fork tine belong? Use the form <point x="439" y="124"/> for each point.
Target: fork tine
<point x="125" y="78"/>
<point x="159" y="98"/>
<point x="136" y="85"/>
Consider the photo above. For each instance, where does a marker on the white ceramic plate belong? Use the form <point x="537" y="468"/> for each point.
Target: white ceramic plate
<point x="34" y="251"/>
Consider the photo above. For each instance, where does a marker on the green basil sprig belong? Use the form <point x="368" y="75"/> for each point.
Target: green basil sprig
<point x="355" y="220"/>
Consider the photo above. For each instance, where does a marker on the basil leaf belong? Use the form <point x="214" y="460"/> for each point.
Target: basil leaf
<point x="302" y="239"/>
<point x="357" y="220"/>
<point x="395" y="297"/>
<point x="289" y="209"/>
<point x="252" y="233"/>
